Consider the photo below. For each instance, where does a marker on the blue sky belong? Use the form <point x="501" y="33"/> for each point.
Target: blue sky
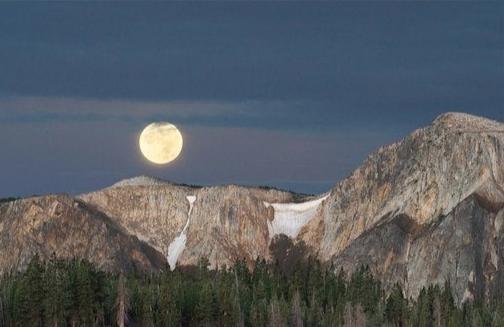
<point x="286" y="94"/>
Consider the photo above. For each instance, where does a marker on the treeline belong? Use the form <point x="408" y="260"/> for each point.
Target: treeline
<point x="73" y="293"/>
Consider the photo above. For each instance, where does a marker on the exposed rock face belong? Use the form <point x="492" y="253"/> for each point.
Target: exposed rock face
<point x="424" y="210"/>
<point x="61" y="226"/>
<point x="226" y="222"/>
<point x="421" y="210"/>
<point x="465" y="248"/>
<point x="154" y="211"/>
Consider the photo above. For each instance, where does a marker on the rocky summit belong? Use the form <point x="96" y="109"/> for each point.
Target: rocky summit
<point x="425" y="210"/>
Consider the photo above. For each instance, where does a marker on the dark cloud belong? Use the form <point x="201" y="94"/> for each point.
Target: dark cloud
<point x="362" y="73"/>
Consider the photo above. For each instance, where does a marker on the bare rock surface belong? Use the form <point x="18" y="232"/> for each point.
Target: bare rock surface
<point x="66" y="228"/>
<point x="155" y="211"/>
<point x="226" y="222"/>
<point x="389" y="213"/>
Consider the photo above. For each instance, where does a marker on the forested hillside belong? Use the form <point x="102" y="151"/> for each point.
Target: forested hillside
<point x="73" y="293"/>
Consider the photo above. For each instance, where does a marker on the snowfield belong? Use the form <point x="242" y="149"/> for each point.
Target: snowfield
<point x="289" y="218"/>
<point x="177" y="246"/>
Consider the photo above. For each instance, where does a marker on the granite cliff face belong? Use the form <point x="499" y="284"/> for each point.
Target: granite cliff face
<point x="424" y="210"/>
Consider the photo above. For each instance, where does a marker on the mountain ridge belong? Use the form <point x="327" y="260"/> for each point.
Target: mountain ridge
<point x="440" y="187"/>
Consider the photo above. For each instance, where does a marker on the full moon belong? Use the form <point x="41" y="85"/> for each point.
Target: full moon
<point x="160" y="142"/>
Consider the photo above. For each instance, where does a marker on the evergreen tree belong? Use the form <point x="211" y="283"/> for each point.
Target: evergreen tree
<point x="122" y="302"/>
<point x="314" y="312"/>
<point x="144" y="308"/>
<point x="207" y="308"/>
<point x="258" y="313"/>
<point x="239" y="277"/>
<point x="57" y="298"/>
<point x="396" y="307"/>
<point x="276" y="316"/>
<point x="229" y="314"/>
<point x="348" y="316"/>
<point x="423" y="316"/>
<point x="448" y="309"/>
<point x="364" y="289"/>
<point x="296" y="314"/>
<point x="169" y="313"/>
<point x="31" y="295"/>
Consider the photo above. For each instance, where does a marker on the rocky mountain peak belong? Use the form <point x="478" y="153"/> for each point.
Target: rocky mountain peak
<point x="466" y="123"/>
<point x="449" y="174"/>
<point x="141" y="180"/>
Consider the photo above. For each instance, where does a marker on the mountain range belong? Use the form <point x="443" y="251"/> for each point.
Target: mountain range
<point x="425" y="210"/>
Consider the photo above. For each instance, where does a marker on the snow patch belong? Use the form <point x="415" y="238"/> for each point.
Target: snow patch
<point x="175" y="249"/>
<point x="191" y="199"/>
<point x="289" y="218"/>
<point x="177" y="246"/>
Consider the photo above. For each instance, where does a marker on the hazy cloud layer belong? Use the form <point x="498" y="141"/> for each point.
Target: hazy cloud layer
<point x="62" y="157"/>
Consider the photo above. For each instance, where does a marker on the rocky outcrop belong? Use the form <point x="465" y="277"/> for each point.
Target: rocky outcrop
<point x="424" y="210"/>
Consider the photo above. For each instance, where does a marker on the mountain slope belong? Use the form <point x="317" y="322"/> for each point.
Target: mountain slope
<point x="61" y="226"/>
<point x="391" y="211"/>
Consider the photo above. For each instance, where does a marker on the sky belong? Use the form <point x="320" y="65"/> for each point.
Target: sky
<point x="287" y="94"/>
